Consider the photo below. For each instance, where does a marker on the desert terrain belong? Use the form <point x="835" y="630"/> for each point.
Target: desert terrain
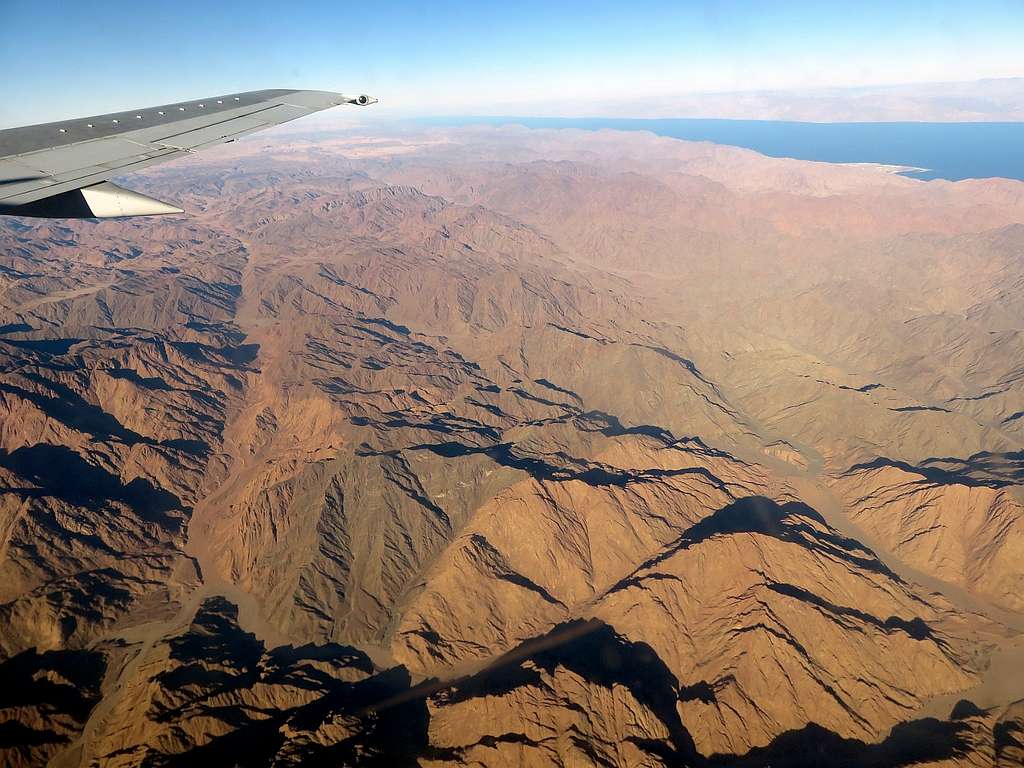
<point x="494" y="446"/>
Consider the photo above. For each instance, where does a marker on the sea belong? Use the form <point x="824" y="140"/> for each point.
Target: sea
<point x="952" y="151"/>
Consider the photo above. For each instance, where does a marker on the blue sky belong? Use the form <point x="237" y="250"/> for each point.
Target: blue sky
<point x="66" y="59"/>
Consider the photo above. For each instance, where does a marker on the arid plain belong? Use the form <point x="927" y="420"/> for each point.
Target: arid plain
<point x="496" y="446"/>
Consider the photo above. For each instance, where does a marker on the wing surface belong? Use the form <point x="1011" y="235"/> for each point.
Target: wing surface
<point x="45" y="168"/>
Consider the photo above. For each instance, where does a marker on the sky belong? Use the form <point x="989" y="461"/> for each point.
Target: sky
<point x="76" y="58"/>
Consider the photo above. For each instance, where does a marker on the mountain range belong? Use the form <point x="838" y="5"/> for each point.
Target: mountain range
<point x="495" y="446"/>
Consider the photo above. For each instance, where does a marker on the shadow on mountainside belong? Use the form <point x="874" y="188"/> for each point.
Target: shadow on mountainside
<point x="812" y="746"/>
<point x="355" y="715"/>
<point x="327" y="705"/>
<point x="992" y="470"/>
<point x="61" y="473"/>
<point x="45" y="699"/>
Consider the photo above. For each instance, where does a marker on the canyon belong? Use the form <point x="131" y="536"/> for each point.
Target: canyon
<point x="502" y="446"/>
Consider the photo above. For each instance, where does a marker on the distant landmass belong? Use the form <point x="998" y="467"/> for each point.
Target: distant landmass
<point x="952" y="151"/>
<point x="972" y="101"/>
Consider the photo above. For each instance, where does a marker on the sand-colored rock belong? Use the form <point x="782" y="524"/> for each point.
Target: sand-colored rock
<point x="955" y="528"/>
<point x="494" y="446"/>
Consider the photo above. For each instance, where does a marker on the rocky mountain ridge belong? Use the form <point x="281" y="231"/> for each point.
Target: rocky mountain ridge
<point x="520" y="447"/>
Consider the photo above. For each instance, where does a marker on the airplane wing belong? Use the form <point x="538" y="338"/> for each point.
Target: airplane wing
<point x="62" y="169"/>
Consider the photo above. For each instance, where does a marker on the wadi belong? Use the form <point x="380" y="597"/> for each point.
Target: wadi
<point x="493" y="446"/>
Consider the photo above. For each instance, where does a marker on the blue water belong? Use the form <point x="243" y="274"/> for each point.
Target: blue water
<point x="947" y="150"/>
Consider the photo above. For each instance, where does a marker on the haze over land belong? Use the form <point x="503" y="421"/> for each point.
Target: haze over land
<point x="990" y="100"/>
<point x="503" y="446"/>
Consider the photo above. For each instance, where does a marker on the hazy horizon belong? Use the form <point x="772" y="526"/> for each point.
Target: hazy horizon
<point x="651" y="59"/>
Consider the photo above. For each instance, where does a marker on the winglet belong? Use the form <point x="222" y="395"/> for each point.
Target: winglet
<point x="99" y="201"/>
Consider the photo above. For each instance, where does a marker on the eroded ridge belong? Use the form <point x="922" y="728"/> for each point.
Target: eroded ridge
<point x="494" y="446"/>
